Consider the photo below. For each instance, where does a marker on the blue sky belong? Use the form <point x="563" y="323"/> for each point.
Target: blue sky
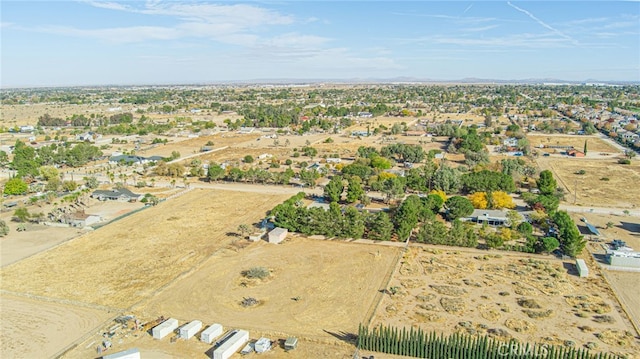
<point x="62" y="43"/>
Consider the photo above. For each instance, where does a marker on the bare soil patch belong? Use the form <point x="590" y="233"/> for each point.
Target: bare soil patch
<point x="605" y="182"/>
<point x="314" y="287"/>
<point x="35" y="329"/>
<point x="120" y="264"/>
<point x="529" y="299"/>
<point x="594" y="143"/>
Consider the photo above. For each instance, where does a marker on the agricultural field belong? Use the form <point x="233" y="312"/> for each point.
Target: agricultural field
<point x="605" y="183"/>
<point x="531" y="299"/>
<point x="130" y="260"/>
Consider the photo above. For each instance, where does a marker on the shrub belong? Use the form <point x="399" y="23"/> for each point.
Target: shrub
<point x="624" y="161"/>
<point x="604" y="179"/>
<point x="256" y="272"/>
<point x="581" y="172"/>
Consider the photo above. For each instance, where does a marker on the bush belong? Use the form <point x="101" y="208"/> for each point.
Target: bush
<point x="581" y="172"/>
<point x="256" y="272"/>
<point x="624" y="161"/>
<point x="604" y="179"/>
<point x="248" y="159"/>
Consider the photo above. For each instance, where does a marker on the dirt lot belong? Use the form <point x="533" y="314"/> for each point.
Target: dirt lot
<point x="313" y="271"/>
<point x="541" y="300"/>
<point x="37" y="238"/>
<point x="306" y="275"/>
<point x="593" y="190"/>
<point x="594" y="143"/>
<point x="136" y="256"/>
<point x="37" y="329"/>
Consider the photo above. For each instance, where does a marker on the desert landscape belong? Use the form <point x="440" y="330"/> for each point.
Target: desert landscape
<point x="532" y="299"/>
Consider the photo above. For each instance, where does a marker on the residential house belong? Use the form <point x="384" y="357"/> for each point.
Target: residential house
<point x="116" y="194"/>
<point x="488" y="216"/>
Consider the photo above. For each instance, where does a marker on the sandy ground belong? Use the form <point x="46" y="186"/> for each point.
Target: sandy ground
<point x="37" y="238"/>
<point x="594" y="143"/>
<point x="335" y="283"/>
<point x="507" y="296"/>
<point x="130" y="260"/>
<point x="592" y="190"/>
<point x="37" y="329"/>
<point x="626" y="286"/>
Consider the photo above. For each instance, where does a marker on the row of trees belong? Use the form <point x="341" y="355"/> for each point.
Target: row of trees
<point x="27" y="160"/>
<point x="420" y="344"/>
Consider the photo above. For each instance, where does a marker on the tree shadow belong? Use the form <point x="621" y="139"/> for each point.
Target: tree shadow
<point x="630" y="227"/>
<point x="349" y="338"/>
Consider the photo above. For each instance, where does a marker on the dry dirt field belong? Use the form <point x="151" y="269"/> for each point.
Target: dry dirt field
<point x="627" y="228"/>
<point x="508" y="296"/>
<point x="594" y="143"/>
<point x="128" y="261"/>
<point x="334" y="282"/>
<point x="38" y="329"/>
<point x="592" y="190"/>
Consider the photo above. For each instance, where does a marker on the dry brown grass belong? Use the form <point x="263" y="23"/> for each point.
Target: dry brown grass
<point x="126" y="262"/>
<point x="546" y="303"/>
<point x="594" y="143"/>
<point x="592" y="189"/>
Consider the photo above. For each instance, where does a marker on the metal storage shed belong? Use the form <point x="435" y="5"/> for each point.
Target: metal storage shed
<point x="583" y="271"/>
<point x="209" y="334"/>
<point x="165" y="328"/>
<point x="132" y="353"/>
<point x="189" y="330"/>
<point x="277" y="235"/>
<point x="231" y="345"/>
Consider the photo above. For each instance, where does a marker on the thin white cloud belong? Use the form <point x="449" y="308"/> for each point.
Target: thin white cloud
<point x="480" y="29"/>
<point x="541" y="23"/>
<point x="108" y="5"/>
<point x="468" y="8"/>
<point x="4" y="24"/>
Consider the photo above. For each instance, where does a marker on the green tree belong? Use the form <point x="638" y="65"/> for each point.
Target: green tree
<point x="494" y="241"/>
<point x="215" y="172"/>
<point x="248" y="159"/>
<point x="380" y="227"/>
<point x="525" y="228"/>
<point x="91" y="182"/>
<point x="433" y="232"/>
<point x="458" y="207"/>
<point x="69" y="186"/>
<point x="571" y="242"/>
<point x="24" y="160"/>
<point x="22" y="214"/>
<point x="49" y="172"/>
<point x="546" y="183"/>
<point x="585" y="147"/>
<point x="549" y="244"/>
<point x="354" y="223"/>
<point x="333" y="189"/>
<point x="354" y="189"/>
<point x="15" y="186"/>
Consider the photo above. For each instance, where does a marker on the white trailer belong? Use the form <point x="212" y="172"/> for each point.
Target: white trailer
<point x="231" y="345"/>
<point x="209" y="334"/>
<point x="165" y="328"/>
<point x="583" y="271"/>
<point x="132" y="353"/>
<point x="189" y="330"/>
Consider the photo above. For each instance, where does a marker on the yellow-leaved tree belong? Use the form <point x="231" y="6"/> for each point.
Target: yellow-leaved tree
<point x="439" y="193"/>
<point x="479" y="200"/>
<point x="501" y="199"/>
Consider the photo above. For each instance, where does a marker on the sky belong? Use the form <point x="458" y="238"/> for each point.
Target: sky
<point x="72" y="43"/>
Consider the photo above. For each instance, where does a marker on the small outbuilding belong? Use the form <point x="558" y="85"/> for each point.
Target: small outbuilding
<point x="190" y="329"/>
<point x="583" y="271"/>
<point x="212" y="332"/>
<point x="165" y="328"/>
<point x="262" y="345"/>
<point x="278" y="235"/>
<point x="291" y="343"/>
